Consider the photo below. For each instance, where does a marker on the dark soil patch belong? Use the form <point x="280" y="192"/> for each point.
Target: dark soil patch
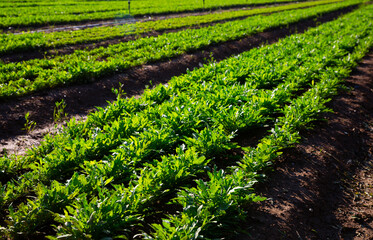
<point x="323" y="188"/>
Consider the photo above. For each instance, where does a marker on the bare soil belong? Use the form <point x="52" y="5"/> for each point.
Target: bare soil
<point x="323" y="188"/>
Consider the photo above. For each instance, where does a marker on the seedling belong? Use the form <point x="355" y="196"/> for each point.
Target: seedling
<point x="119" y="92"/>
<point x="59" y="111"/>
<point x="29" y="126"/>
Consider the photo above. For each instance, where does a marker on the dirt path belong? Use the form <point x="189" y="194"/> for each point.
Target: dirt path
<point x="323" y="188"/>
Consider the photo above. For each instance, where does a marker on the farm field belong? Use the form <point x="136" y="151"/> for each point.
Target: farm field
<point x="19" y="78"/>
<point x="40" y="13"/>
<point x="35" y="40"/>
<point x="206" y="125"/>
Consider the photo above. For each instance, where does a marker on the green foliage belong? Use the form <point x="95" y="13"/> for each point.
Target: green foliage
<point x="29" y="125"/>
<point x="59" y="114"/>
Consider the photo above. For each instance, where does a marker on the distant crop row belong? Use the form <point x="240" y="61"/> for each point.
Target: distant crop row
<point x="38" y="40"/>
<point x="108" y="175"/>
<point x="83" y="66"/>
<point x="59" y="9"/>
<point x="74" y="11"/>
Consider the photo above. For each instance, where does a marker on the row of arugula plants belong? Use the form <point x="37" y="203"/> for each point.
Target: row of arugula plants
<point x="59" y="8"/>
<point x="42" y="15"/>
<point x="32" y="3"/>
<point x="105" y="176"/>
<point x="11" y="43"/>
<point x="83" y="66"/>
<point x="72" y="9"/>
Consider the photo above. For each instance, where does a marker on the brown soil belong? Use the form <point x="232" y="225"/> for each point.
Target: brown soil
<point x="81" y="99"/>
<point x="323" y="188"/>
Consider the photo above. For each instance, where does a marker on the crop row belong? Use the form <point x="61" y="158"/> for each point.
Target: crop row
<point x="33" y="3"/>
<point x="38" y="40"/>
<point x="136" y="152"/>
<point x="12" y="12"/>
<point x="73" y="8"/>
<point x="102" y="10"/>
<point x="84" y="66"/>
